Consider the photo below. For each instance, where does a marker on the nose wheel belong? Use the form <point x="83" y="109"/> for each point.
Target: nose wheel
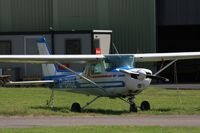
<point x="145" y="105"/>
<point x="76" y="107"/>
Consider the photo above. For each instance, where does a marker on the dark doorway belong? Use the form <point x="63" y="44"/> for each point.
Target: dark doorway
<point x="73" y="46"/>
<point x="180" y="39"/>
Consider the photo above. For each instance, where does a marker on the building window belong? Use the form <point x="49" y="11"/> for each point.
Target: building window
<point x="73" y="46"/>
<point x="5" y="48"/>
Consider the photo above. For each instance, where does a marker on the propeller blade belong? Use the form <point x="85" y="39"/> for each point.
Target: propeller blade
<point x="136" y="74"/>
<point x="158" y="78"/>
<point x="128" y="72"/>
<point x="133" y="74"/>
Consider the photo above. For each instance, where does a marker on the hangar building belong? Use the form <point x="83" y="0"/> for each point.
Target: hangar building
<point x="138" y="26"/>
<point x="178" y="29"/>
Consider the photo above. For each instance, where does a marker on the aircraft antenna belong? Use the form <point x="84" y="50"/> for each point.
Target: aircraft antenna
<point x="115" y="48"/>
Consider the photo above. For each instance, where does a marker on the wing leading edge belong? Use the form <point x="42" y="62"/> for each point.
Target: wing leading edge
<point x="155" y="57"/>
<point x="48" y="59"/>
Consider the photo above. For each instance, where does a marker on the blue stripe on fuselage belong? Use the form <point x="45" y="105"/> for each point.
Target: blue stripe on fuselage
<point x="122" y="84"/>
<point x="56" y="77"/>
<point x="70" y="81"/>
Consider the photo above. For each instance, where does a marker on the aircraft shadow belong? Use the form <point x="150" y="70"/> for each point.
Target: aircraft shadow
<point x="162" y="110"/>
<point x="165" y="109"/>
<point x="106" y="112"/>
<point x="54" y="109"/>
<point x="97" y="111"/>
<point x="197" y="109"/>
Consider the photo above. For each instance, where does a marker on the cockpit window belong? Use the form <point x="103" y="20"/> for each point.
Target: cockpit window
<point x="109" y="65"/>
<point x="114" y="61"/>
<point x="96" y="68"/>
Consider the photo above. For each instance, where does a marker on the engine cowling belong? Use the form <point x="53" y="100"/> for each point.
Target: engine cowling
<point x="141" y="74"/>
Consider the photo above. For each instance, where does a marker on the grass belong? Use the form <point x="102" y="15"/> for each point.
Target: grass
<point x="32" y="101"/>
<point x="105" y="129"/>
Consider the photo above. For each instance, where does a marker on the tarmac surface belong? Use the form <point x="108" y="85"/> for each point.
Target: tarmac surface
<point x="178" y="86"/>
<point x="140" y="120"/>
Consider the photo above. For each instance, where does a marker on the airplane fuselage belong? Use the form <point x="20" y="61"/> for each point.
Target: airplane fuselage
<point x="113" y="84"/>
<point x="114" y="76"/>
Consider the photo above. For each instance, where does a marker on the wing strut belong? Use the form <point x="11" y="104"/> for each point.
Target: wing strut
<point x="81" y="76"/>
<point x="87" y="104"/>
<point x="172" y="62"/>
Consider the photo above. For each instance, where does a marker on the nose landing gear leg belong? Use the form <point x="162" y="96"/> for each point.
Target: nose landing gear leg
<point x="130" y="101"/>
<point x="133" y="107"/>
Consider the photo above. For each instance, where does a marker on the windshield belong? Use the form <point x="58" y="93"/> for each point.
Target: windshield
<point x="117" y="61"/>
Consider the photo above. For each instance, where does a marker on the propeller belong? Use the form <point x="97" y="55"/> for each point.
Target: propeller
<point x="158" y="78"/>
<point x="142" y="74"/>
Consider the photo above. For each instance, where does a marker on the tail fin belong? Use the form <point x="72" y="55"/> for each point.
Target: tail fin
<point x="47" y="69"/>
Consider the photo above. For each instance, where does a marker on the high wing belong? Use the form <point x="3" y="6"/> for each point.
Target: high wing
<point x="154" y="57"/>
<point x="48" y="59"/>
<point x="146" y="57"/>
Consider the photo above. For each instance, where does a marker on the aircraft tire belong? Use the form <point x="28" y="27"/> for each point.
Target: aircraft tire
<point x="145" y="105"/>
<point x="76" y="107"/>
<point x="133" y="108"/>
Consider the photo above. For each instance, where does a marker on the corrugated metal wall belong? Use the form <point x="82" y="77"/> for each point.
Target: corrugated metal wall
<point x="132" y="21"/>
<point x="178" y="12"/>
<point x="25" y="15"/>
<point x="133" y="25"/>
<point x="74" y="14"/>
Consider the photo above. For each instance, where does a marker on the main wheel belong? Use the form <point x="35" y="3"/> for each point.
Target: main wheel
<point x="145" y="106"/>
<point x="133" y="108"/>
<point x="76" y="107"/>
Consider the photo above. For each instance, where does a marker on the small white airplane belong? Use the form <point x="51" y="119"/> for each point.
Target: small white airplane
<point x="113" y="76"/>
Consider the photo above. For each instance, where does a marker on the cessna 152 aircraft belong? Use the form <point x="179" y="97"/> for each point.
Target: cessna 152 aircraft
<point x="113" y="76"/>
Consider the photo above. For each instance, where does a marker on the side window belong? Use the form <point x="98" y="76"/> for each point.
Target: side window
<point x="73" y="46"/>
<point x="5" y="48"/>
<point x="109" y="65"/>
<point x="96" y="69"/>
